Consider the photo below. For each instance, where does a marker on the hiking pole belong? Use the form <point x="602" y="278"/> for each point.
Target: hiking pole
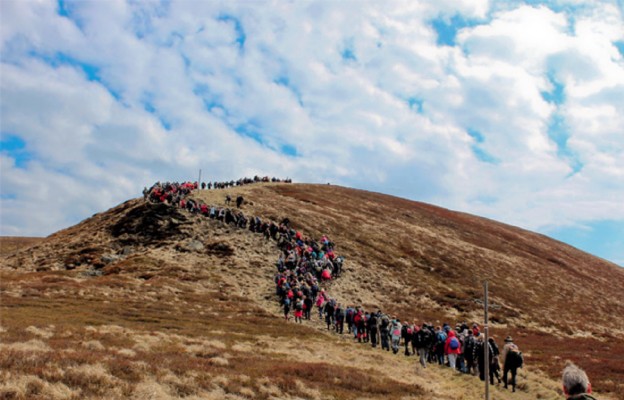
<point x="486" y="364"/>
<point x="199" y="180"/>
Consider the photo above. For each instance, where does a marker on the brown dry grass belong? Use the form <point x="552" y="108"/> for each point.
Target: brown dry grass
<point x="11" y="244"/>
<point x="158" y="321"/>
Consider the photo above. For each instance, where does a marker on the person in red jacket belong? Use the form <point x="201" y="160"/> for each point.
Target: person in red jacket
<point x="452" y="348"/>
<point x="326" y="275"/>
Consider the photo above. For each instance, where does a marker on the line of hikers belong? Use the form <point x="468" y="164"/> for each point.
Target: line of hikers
<point x="317" y="260"/>
<point x="241" y="182"/>
<point x="174" y="192"/>
<point x="304" y="264"/>
<point x="461" y="348"/>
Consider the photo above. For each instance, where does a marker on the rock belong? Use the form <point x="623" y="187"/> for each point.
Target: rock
<point x="195" y="245"/>
<point x="92" y="272"/>
<point x="190" y="245"/>
<point x="107" y="259"/>
<point x="127" y="250"/>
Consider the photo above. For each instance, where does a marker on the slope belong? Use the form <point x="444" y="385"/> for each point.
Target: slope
<point x="149" y="298"/>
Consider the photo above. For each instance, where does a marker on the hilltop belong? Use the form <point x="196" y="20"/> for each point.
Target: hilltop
<point x="149" y="300"/>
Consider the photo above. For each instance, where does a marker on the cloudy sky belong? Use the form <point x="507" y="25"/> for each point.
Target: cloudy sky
<point x="506" y="109"/>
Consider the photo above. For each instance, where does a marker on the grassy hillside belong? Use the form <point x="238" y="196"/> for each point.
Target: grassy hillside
<point x="149" y="301"/>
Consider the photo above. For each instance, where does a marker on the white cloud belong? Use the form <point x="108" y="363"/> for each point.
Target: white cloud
<point x="119" y="94"/>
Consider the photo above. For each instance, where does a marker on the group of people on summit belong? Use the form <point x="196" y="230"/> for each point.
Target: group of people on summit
<point x="304" y="264"/>
<point x="241" y="182"/>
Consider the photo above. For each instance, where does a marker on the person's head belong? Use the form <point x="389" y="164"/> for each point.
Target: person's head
<point x="574" y="380"/>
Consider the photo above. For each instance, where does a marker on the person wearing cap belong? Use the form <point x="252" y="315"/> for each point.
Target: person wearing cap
<point x="576" y="385"/>
<point x="509" y="344"/>
<point x="512" y="359"/>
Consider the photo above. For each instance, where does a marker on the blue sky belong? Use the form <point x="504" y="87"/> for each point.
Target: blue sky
<point x="505" y="109"/>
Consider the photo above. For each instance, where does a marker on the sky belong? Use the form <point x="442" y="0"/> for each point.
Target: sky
<point x="511" y="110"/>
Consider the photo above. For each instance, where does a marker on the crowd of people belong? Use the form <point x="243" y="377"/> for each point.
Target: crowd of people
<point x="461" y="348"/>
<point x="169" y="192"/>
<point x="241" y="182"/>
<point x="173" y="192"/>
<point x="304" y="264"/>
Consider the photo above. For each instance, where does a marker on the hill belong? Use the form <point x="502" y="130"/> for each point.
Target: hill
<point x="146" y="300"/>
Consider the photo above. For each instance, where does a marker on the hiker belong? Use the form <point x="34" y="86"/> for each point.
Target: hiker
<point x="406" y="335"/>
<point x="469" y="343"/>
<point x="494" y="362"/>
<point x="360" y="325"/>
<point x="228" y="199"/>
<point x="475" y="329"/>
<point x="373" y="322"/>
<point x="349" y="313"/>
<point x="298" y="310"/>
<point x="479" y="354"/>
<point x="356" y="320"/>
<point x="396" y="334"/>
<point x="440" y="340"/>
<point x="286" y="304"/>
<point x="307" y="306"/>
<point x="576" y="385"/>
<point x="339" y="316"/>
<point x="320" y="300"/>
<point x="366" y="327"/>
<point x="384" y="332"/>
<point x="422" y="341"/>
<point x="239" y="201"/>
<point x="452" y="348"/>
<point x="326" y="275"/>
<point x="461" y="335"/>
<point x="512" y="359"/>
<point x="329" y="310"/>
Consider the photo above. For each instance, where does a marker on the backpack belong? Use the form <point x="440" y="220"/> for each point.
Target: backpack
<point x="406" y="332"/>
<point x="441" y="337"/>
<point x="422" y="337"/>
<point x="518" y="354"/>
<point x="454" y="343"/>
<point x="469" y="344"/>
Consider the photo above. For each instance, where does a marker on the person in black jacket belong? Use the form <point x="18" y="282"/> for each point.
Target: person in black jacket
<point x="422" y="342"/>
<point x="479" y="354"/>
<point x="329" y="311"/>
<point x="373" y="322"/>
<point x="406" y="335"/>
<point x="469" y="344"/>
